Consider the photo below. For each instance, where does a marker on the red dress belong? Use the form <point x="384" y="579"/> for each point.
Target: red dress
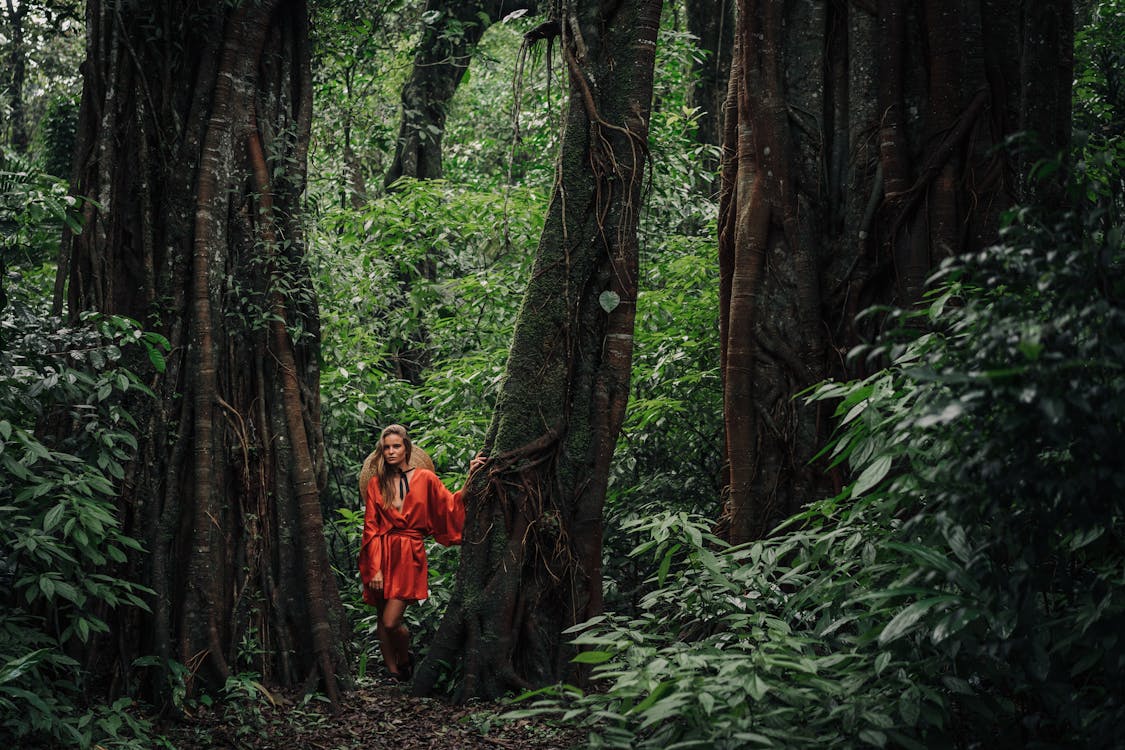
<point x="392" y="539"/>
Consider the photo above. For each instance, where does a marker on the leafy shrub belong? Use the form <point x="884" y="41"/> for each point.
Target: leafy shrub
<point x="966" y="588"/>
<point x="63" y="442"/>
<point x="57" y="134"/>
<point x="33" y="207"/>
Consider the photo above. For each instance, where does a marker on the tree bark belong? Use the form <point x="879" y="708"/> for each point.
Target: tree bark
<point x="195" y="154"/>
<point x="531" y="562"/>
<point x="864" y="152"/>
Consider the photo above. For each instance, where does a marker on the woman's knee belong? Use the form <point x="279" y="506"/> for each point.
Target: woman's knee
<point x="390" y="619"/>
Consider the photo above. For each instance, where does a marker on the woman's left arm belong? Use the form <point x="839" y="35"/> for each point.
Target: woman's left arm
<point x="447" y="509"/>
<point x="446" y="512"/>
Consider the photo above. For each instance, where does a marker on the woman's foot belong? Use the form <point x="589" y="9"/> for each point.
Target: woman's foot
<point x="407" y="669"/>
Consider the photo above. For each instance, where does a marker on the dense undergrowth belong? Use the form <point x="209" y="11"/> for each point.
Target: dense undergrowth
<point x="966" y="589"/>
<point x="64" y="442"/>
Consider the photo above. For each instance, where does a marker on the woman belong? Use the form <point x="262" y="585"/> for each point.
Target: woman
<point x="404" y="504"/>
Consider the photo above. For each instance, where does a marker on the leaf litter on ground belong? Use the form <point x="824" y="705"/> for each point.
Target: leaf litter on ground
<point x="377" y="714"/>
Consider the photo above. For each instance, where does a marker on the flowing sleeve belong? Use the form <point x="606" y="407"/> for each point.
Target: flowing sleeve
<point x="371" y="550"/>
<point x="447" y="513"/>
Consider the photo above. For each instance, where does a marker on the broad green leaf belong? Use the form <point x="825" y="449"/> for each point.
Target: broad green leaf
<point x="609" y="300"/>
<point x="902" y="623"/>
<point x="592" y="657"/>
<point x="53" y="516"/>
<point x="757" y="687"/>
<point x="872" y="475"/>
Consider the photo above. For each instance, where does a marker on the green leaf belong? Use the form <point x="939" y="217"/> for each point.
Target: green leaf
<point x="609" y="300"/>
<point x="901" y="623"/>
<point x="881" y="661"/>
<point x="909" y="706"/>
<point x="872" y="475"/>
<point x="68" y="592"/>
<point x="952" y="623"/>
<point x="873" y="737"/>
<point x="53" y="516"/>
<point x="658" y="692"/>
<point x="757" y="687"/>
<point x="592" y="657"/>
<point x="665" y="564"/>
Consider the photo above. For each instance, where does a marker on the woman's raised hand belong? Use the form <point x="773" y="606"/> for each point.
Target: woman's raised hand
<point x="478" y="461"/>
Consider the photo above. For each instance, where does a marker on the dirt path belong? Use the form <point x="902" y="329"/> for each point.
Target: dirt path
<point x="376" y="715"/>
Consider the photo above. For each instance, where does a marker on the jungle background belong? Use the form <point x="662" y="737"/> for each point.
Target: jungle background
<point x="950" y="573"/>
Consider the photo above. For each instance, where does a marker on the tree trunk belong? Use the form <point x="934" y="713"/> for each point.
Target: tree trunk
<point x="451" y="33"/>
<point x="531" y="564"/>
<point x="17" y="75"/>
<point x="713" y="24"/>
<point x="863" y="151"/>
<point x="194" y="153"/>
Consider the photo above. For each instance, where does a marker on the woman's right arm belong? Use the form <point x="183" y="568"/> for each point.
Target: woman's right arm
<point x="371" y="547"/>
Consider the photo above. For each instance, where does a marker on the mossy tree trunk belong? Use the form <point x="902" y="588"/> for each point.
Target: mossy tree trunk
<point x="531" y="561"/>
<point x="16" y="73"/>
<point x="861" y="147"/>
<point x="193" y="137"/>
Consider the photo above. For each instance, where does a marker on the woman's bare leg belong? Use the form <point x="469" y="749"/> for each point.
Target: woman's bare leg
<point x="394" y="637"/>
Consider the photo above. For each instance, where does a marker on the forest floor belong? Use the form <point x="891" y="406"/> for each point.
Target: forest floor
<point x="377" y="714"/>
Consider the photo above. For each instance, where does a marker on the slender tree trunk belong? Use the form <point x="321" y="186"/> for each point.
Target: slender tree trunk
<point x="531" y="564"/>
<point x="195" y="154"/>
<point x="17" y="75"/>
<point x="450" y="36"/>
<point x="864" y="152"/>
<point x="713" y="24"/>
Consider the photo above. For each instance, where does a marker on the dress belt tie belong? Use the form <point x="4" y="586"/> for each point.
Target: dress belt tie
<point x="410" y="533"/>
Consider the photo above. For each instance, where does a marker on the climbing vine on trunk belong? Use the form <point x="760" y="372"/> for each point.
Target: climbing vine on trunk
<point x="531" y="561"/>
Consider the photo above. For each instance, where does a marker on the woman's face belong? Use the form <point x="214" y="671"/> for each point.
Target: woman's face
<point x="394" y="450"/>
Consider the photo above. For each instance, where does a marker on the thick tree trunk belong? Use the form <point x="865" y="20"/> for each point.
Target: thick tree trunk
<point x="864" y="152"/>
<point x="195" y="155"/>
<point x="531" y="562"/>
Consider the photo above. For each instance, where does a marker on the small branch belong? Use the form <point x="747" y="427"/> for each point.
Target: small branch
<point x="545" y="30"/>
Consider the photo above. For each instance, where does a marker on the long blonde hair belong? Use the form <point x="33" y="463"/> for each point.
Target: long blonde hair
<point x="385" y="474"/>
